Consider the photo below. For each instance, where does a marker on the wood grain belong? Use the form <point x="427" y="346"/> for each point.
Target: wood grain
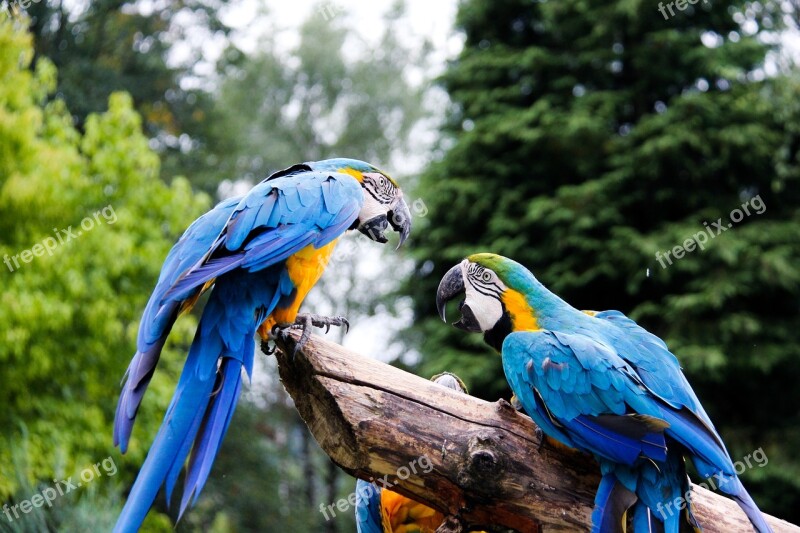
<point x="482" y="464"/>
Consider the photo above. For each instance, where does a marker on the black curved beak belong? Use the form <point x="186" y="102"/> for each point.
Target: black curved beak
<point x="374" y="228"/>
<point x="400" y="219"/>
<point x="452" y="285"/>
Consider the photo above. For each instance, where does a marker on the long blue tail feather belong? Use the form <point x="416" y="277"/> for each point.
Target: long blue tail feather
<point x="712" y="461"/>
<point x="199" y="414"/>
<point x="215" y="425"/>
<point x="159" y="317"/>
<point x="742" y="497"/>
<point x="645" y="521"/>
<point x="610" y="505"/>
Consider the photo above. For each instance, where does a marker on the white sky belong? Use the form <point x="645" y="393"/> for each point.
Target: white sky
<point x="430" y="18"/>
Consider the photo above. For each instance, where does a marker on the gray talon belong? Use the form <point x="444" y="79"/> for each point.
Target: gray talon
<point x="304" y="322"/>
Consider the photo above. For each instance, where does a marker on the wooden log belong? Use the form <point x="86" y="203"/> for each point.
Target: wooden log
<point x="482" y="464"/>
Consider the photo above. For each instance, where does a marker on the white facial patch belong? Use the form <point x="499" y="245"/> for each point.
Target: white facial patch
<point x="379" y="196"/>
<point x="483" y="294"/>
<point x="371" y="208"/>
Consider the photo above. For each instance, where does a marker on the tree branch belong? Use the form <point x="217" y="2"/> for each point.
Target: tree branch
<point x="484" y="463"/>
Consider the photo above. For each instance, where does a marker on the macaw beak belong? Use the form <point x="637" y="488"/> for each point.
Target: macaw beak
<point x="400" y="219"/>
<point x="452" y="285"/>
<point x="374" y="228"/>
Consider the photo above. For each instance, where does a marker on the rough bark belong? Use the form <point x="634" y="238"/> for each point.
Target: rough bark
<point x="482" y="464"/>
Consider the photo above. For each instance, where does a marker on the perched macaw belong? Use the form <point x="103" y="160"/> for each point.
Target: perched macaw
<point x="384" y="511"/>
<point x="261" y="253"/>
<point x="600" y="383"/>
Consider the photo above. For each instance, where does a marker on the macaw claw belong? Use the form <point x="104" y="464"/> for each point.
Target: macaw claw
<point x="266" y="348"/>
<point x="305" y="322"/>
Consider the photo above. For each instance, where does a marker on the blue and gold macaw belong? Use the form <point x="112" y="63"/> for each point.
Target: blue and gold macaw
<point x="380" y="510"/>
<point x="259" y="255"/>
<point x="598" y="382"/>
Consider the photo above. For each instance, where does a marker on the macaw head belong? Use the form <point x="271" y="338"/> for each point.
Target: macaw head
<point x="495" y="291"/>
<point x="450" y="381"/>
<point x="383" y="200"/>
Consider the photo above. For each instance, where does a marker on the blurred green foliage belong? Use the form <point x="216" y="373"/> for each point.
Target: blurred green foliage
<point x="584" y="136"/>
<point x="151" y="50"/>
<point x="69" y="318"/>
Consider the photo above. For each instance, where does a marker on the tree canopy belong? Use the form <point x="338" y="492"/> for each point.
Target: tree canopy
<point x="587" y="136"/>
<point x="85" y="222"/>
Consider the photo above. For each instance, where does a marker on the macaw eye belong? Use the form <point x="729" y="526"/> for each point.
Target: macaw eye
<point x="487" y="276"/>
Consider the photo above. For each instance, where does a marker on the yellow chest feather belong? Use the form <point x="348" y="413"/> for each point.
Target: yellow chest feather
<point x="305" y="268"/>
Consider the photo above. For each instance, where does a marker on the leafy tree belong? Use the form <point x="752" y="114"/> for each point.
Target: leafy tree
<point x="588" y="135"/>
<point x="147" y="49"/>
<point x="85" y="223"/>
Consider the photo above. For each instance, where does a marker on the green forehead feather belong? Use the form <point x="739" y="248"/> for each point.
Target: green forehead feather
<point x="513" y="274"/>
<point x="497" y="263"/>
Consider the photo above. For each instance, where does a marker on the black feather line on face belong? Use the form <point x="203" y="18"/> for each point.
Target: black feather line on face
<point x="481" y="279"/>
<point x="487" y="290"/>
<point x="383" y="191"/>
<point x="477" y="277"/>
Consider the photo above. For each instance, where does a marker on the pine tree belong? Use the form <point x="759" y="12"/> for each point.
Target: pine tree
<point x="588" y="135"/>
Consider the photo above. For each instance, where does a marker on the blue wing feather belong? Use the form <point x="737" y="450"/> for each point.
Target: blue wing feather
<point x="257" y="233"/>
<point x="288" y="220"/>
<point x="658" y="368"/>
<point x="157" y="319"/>
<point x="368" y="508"/>
<point x="560" y="358"/>
<point x="597" y="406"/>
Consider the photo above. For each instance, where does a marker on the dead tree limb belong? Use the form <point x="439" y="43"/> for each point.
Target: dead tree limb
<point x="490" y="465"/>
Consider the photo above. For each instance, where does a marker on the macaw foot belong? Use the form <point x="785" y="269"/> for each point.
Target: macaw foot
<point x="515" y="403"/>
<point x="266" y="348"/>
<point x="540" y="436"/>
<point x="305" y="322"/>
